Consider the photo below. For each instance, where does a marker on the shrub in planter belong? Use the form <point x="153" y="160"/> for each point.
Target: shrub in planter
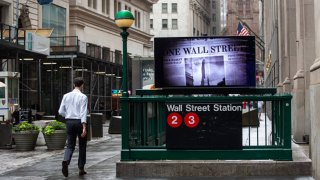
<point x="25" y="136"/>
<point x="55" y="135"/>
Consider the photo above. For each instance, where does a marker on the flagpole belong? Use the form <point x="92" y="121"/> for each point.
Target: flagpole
<point x="244" y="23"/>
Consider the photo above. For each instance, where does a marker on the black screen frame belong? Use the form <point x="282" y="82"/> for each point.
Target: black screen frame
<point x="161" y="44"/>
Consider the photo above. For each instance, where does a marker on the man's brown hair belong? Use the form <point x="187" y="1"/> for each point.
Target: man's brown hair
<point x="78" y="81"/>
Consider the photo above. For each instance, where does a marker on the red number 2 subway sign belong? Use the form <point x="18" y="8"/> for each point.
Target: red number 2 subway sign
<point x="174" y="120"/>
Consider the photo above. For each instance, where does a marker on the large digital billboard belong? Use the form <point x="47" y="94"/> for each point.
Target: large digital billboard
<point x="224" y="61"/>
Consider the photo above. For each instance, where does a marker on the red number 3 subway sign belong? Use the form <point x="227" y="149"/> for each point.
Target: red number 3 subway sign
<point x="191" y="119"/>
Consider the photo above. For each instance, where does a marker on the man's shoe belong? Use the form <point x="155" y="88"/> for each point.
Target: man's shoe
<point x="82" y="172"/>
<point x="65" y="168"/>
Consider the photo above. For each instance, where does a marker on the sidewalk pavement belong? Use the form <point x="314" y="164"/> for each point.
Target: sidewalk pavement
<point x="102" y="155"/>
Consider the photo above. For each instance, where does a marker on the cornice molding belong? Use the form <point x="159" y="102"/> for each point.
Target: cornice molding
<point x="152" y="1"/>
<point x="86" y="17"/>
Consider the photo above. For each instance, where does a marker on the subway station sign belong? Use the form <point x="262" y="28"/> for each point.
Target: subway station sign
<point x="204" y="126"/>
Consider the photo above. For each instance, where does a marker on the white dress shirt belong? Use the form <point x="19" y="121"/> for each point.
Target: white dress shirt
<point x="74" y="106"/>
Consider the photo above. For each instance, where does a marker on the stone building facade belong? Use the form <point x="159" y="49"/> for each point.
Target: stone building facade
<point x="174" y="18"/>
<point x="242" y="10"/>
<point x="292" y="65"/>
<point x="85" y="42"/>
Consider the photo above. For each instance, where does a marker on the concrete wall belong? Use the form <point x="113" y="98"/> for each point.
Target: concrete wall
<point x="315" y="97"/>
<point x="305" y="57"/>
<point x="315" y="113"/>
<point x="7" y="12"/>
<point x="293" y="22"/>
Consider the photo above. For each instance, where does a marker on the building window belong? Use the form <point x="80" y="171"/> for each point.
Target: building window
<point x="106" y="54"/>
<point x="207" y="3"/>
<point x="152" y="46"/>
<point x="213" y="5"/>
<point x="248" y="8"/>
<point x="214" y="30"/>
<point x="240" y="7"/>
<point x="106" y="6"/>
<point x="164" y="23"/>
<point x="117" y="7"/>
<point x="151" y="9"/>
<point x="214" y="18"/>
<point x="151" y="23"/>
<point x="164" y="7"/>
<point x="92" y="4"/>
<point x="174" y="23"/>
<point x="118" y="57"/>
<point x="137" y="21"/>
<point x="54" y="17"/>
<point x="127" y="8"/>
<point x="194" y="31"/>
<point x="174" y="7"/>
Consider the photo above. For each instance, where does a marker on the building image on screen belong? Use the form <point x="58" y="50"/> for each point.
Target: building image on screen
<point x="205" y="71"/>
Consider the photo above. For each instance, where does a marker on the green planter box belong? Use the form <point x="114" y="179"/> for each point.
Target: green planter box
<point x="25" y="141"/>
<point x="6" y="135"/>
<point x="56" y="140"/>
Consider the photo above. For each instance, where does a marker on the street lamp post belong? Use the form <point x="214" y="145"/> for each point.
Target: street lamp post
<point x="124" y="20"/>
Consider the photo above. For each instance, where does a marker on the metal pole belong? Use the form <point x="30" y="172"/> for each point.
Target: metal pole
<point x="124" y="35"/>
<point x="124" y="100"/>
<point x="17" y="13"/>
<point x="39" y="88"/>
<point x="72" y="72"/>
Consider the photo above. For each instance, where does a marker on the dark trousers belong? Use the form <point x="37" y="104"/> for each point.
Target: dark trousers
<point x="74" y="129"/>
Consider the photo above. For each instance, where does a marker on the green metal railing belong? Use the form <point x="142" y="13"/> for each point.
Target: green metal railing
<point x="12" y="35"/>
<point x="144" y="128"/>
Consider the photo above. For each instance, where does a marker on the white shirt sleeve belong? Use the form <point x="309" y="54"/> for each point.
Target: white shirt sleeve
<point x="62" y="109"/>
<point x="84" y="109"/>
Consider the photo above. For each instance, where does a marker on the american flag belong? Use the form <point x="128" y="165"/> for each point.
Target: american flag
<point x="242" y="31"/>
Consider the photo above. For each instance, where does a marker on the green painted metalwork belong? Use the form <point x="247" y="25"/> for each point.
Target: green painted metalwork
<point x="247" y="154"/>
<point x="144" y="128"/>
<point x="207" y="90"/>
<point x="124" y="35"/>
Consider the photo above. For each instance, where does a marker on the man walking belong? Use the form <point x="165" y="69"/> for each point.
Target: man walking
<point x="74" y="108"/>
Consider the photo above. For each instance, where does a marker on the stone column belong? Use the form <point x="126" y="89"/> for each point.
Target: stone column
<point x="315" y="117"/>
<point x="287" y="85"/>
<point x="280" y="88"/>
<point x="298" y="107"/>
<point x="315" y="97"/>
